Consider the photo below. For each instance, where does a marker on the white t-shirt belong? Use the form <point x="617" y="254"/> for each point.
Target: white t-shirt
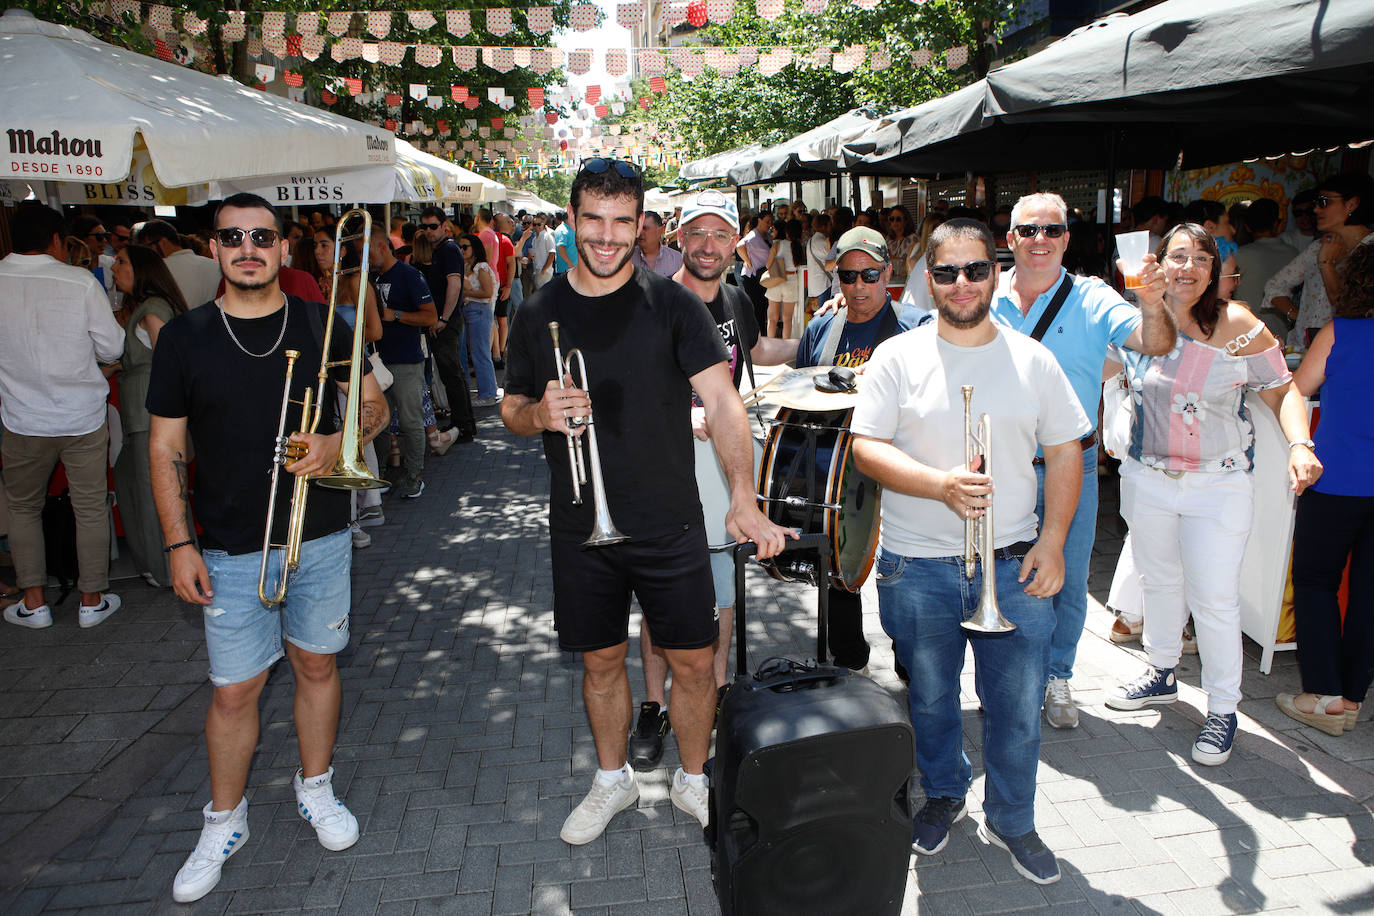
<point x="817" y="279"/>
<point x="911" y="396"/>
<point x="541" y="249"/>
<point x="474" y="284"/>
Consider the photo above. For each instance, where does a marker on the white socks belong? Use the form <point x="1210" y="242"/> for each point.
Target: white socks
<point x="623" y="776"/>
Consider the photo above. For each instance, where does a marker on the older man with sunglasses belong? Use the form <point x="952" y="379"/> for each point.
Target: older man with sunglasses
<point x="847" y="337"/>
<point x="1076" y="318"/>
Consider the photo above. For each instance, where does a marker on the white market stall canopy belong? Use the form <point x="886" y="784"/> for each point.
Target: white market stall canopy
<point x="661" y="201"/>
<point x="77" y="108"/>
<point x="530" y="203"/>
<point x="719" y="165"/>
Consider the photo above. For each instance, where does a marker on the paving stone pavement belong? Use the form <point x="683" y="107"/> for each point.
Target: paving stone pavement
<point x="462" y="747"/>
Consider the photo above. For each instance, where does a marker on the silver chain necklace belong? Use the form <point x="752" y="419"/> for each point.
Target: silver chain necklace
<point x="286" y="313"/>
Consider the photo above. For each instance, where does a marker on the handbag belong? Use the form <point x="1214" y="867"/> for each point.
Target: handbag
<point x="768" y="279"/>
<point x="379" y="371"/>
<point x="1117" y="413"/>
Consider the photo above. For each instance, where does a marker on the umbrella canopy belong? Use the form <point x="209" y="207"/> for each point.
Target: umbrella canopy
<point x="453" y="183"/>
<point x="1180" y="82"/>
<point x="76" y="107"/>
<point x="719" y="165"/>
<point x="524" y="200"/>
<point x="813" y="154"/>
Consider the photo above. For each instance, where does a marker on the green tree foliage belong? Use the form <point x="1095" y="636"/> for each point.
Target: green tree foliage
<point x="712" y="113"/>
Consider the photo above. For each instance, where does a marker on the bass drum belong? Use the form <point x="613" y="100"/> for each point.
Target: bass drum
<point x="808" y="481"/>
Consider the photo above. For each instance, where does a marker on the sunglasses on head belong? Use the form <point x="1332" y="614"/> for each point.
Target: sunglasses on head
<point x="976" y="271"/>
<point x="232" y="237"/>
<point x="869" y="274"/>
<point x="1051" y="230"/>
<point x="599" y="164"/>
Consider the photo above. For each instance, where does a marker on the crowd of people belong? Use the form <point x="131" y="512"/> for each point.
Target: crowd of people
<point x="1024" y="303"/>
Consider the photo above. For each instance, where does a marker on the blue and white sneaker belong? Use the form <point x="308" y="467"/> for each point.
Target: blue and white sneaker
<point x="1213" y="745"/>
<point x="334" y="824"/>
<point x="224" y="834"/>
<point x="930" y="832"/>
<point x="1030" y="856"/>
<point x="1153" y="688"/>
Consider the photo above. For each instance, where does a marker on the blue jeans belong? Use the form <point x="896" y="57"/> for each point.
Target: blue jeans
<point x="921" y="603"/>
<point x="478" y="317"/>
<point x="1071" y="604"/>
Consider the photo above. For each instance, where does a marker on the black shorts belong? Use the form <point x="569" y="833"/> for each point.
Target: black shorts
<point x="670" y="575"/>
<point x="502" y="307"/>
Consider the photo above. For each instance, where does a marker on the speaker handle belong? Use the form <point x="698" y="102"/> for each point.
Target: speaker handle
<point x="742" y="552"/>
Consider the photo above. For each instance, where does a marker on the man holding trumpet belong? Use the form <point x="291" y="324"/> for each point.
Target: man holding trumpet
<point x="218" y="377"/>
<point x="908" y="429"/>
<point x="648" y="343"/>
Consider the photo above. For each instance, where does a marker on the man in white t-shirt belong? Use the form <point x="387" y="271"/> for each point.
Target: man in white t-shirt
<point x="909" y="437"/>
<point x="542" y="251"/>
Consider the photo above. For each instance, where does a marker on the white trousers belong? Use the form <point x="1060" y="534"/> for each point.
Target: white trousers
<point x="1188" y="535"/>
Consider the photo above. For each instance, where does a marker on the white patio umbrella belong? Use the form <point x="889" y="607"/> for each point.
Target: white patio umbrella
<point x="77" y="108"/>
<point x="518" y="200"/>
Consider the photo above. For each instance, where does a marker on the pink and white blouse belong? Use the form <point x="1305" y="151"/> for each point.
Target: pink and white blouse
<point x="1189" y="404"/>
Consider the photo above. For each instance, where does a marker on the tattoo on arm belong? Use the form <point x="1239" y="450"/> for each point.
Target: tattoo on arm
<point x="183" y="478"/>
<point x="370" y="421"/>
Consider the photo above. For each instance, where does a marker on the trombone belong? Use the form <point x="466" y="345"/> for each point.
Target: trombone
<point x="350" y="471"/>
<point x="978" y="531"/>
<point x="604" y="533"/>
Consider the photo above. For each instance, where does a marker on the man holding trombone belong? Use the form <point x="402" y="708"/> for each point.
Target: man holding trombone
<point x="912" y="430"/>
<point x="616" y="438"/>
<point x="218" y="375"/>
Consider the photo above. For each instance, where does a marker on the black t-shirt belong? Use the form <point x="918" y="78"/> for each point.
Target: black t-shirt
<point x="739" y="329"/>
<point x="447" y="260"/>
<point x="404" y="289"/>
<point x="232" y="403"/>
<point x="641" y="344"/>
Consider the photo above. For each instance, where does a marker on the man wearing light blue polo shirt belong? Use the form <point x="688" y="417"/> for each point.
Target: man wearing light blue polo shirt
<point x="1085" y="316"/>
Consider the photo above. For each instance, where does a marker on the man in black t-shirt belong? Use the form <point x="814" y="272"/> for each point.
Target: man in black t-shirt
<point x="445" y="276"/>
<point x="648" y="343"/>
<point x="708" y="236"/>
<point x="218" y="374"/>
<point x="407" y="310"/>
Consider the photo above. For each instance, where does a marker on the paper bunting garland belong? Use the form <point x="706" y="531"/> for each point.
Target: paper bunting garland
<point x="521" y="56"/>
<point x="371" y="52"/>
<point x="499" y="59"/>
<point x="629" y="15"/>
<point x="601" y="111"/>
<point x="866" y="4"/>
<point x="580" y="61"/>
<point x="772" y="62"/>
<point x="379" y="23"/>
<point x="428" y="55"/>
<point x="536" y="96"/>
<point x="459" y="93"/>
<point x="471" y="102"/>
<point x="435" y="102"/>
<point x="234" y="29"/>
<point x="583" y="17"/>
<point x="813" y="7"/>
<point x="879" y="59"/>
<point x="354" y="84"/>
<point x="499" y="21"/>
<point x="541" y="60"/>
<point x="921" y="57"/>
<point x="254" y="45"/>
<point x="593" y="94"/>
<point x="617" y="61"/>
<point x="957" y="57"/>
<point x="418" y="91"/>
<point x="458" y="22"/>
<point x="720" y="11"/>
<point x="464" y="57"/>
<point x="193" y="24"/>
<point x="392" y="99"/>
<point x="421" y="19"/>
<point x="162" y="50"/>
<point x="273" y="22"/>
<point x="651" y="62"/>
<point x="160" y="18"/>
<point x="328" y="97"/>
<point x="307" y="23"/>
<point x="768" y="9"/>
<point x="551" y="117"/>
<point x="539" y="19"/>
<point x="275" y="44"/>
<point x="848" y="59"/>
<point x="658" y="84"/>
<point x="339" y="23"/>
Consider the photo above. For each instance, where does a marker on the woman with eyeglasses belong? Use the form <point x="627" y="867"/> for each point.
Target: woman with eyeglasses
<point x="1345" y="212"/>
<point x="1186" y="487"/>
<point x="479" y="315"/>
<point x="152" y="299"/>
<point x="1335" y="523"/>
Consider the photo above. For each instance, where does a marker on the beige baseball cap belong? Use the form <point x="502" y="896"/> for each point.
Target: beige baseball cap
<point x="862" y="238"/>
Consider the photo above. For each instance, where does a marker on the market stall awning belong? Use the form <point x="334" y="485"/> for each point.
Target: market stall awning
<point x="809" y="155"/>
<point x="718" y="166"/>
<point x="517" y="199"/>
<point x="76" y="108"/>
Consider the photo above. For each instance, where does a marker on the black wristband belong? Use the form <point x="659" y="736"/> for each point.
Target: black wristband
<point x="170" y="547"/>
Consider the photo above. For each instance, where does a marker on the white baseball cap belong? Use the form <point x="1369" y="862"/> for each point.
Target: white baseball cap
<point x="712" y="202"/>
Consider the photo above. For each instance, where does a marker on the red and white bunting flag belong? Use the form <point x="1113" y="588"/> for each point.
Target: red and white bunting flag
<point x="275" y="44"/>
<point x="593" y="94"/>
<point x="421" y="19"/>
<point x="499" y="21"/>
<point x="464" y="57"/>
<point x="354" y="84"/>
<point x="458" y="22"/>
<point x="866" y="4"/>
<point x="292" y="79"/>
<point x="541" y="60"/>
<point x="497" y="123"/>
<point x="234" y="29"/>
<point x="499" y="59"/>
<point x="645" y="101"/>
<point x="768" y="9"/>
<point x="521" y="55"/>
<point x="696" y="12"/>
<point x="434" y="101"/>
<point x="772" y="62"/>
<point x="312" y="46"/>
<point x="443" y="127"/>
<point x="617" y="61"/>
<point x="471" y="102"/>
<point x="748" y="55"/>
<point x="193" y="24"/>
<point x="580" y="61"/>
<point x="848" y="58"/>
<point x="601" y="111"/>
<point x="392" y="99"/>
<point x="162" y="50"/>
<point x="819" y="57"/>
<point x="328" y="97"/>
<point x="293" y="45"/>
<point x="957" y="57"/>
<point x="428" y="55"/>
<point x="658" y="84"/>
<point x="391" y="53"/>
<point x="551" y="117"/>
<point x="255" y="45"/>
<point x="339" y="23"/>
<point x="720" y="11"/>
<point x="389" y="123"/>
<point x="160" y="17"/>
<point x="505" y="101"/>
<point x="651" y="62"/>
<point x="629" y="15"/>
<point x="273" y="22"/>
<point x="675" y="13"/>
<point x="813" y="6"/>
<point x="379" y="22"/>
<point x="880" y="59"/>
<point x="617" y="108"/>
<point x="307" y="23"/>
<point x="539" y="19"/>
<point x="536" y="96"/>
<point x="127" y="9"/>
<point x="921" y="57"/>
<point x="418" y="91"/>
<point x="459" y="93"/>
<point x="583" y="17"/>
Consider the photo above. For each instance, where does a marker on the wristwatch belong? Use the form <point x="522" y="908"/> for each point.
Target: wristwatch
<point x="1307" y="442"/>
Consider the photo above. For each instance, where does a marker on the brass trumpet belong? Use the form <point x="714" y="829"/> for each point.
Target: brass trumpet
<point x="604" y="532"/>
<point x="350" y="471"/>
<point x="978" y="531"/>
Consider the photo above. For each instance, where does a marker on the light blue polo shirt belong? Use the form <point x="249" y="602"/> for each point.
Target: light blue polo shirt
<point x="1092" y="317"/>
<point x="565" y="236"/>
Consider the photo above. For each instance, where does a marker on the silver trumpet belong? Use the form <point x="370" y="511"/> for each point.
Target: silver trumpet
<point x="604" y="533"/>
<point x="978" y="531"/>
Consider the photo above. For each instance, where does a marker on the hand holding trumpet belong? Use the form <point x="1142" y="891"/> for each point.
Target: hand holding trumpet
<point x="561" y="407"/>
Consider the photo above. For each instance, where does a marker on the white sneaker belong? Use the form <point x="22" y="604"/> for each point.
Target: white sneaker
<point x="692" y="798"/>
<point x="1060" y="709"/>
<point x="95" y="614"/>
<point x="334" y="824"/>
<point x="21" y="616"/>
<point x="602" y="803"/>
<point x="224" y="834"/>
<point x="361" y="539"/>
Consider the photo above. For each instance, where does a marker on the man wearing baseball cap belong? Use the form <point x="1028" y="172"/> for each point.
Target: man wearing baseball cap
<point x="708" y="232"/>
<point x="847" y="337"/>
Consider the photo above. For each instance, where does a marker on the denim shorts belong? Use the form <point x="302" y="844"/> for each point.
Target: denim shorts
<point x="244" y="637"/>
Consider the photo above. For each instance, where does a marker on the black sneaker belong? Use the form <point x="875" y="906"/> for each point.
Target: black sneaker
<point x="930" y="833"/>
<point x="1029" y="854"/>
<point x="646" y="741"/>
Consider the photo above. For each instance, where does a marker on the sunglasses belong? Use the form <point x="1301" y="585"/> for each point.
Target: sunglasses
<point x="1051" y="230"/>
<point x="598" y="165"/>
<point x="430" y="227"/>
<point x="232" y="237"/>
<point x="102" y="236"/>
<point x="1326" y="200"/>
<point x="869" y="274"/>
<point x="976" y="271"/>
